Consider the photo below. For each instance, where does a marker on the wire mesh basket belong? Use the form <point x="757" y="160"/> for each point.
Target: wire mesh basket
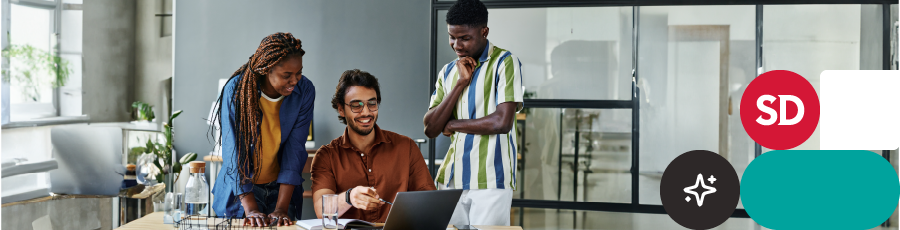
<point x="214" y="223"/>
<point x="201" y="215"/>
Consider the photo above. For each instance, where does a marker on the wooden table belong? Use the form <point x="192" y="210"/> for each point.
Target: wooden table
<point x="155" y="221"/>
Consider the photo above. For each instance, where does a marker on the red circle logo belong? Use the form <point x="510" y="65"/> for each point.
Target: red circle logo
<point x="780" y="109"/>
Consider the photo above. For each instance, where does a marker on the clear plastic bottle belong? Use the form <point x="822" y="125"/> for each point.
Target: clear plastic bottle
<point x="196" y="191"/>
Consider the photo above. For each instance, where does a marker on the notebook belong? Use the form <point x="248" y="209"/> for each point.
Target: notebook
<point x="315" y="224"/>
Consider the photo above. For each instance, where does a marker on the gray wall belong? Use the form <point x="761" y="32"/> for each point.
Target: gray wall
<point x="153" y="55"/>
<point x="108" y="43"/>
<point x="387" y="38"/>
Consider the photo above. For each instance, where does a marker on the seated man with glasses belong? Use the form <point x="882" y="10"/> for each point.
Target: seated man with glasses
<point x="367" y="163"/>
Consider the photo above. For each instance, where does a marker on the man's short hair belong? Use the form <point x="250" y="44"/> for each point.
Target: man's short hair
<point x="471" y="13"/>
<point x="354" y="77"/>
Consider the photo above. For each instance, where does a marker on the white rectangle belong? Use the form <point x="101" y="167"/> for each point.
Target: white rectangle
<point x="859" y="110"/>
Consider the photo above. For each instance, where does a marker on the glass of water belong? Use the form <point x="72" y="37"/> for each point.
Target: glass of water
<point x="329" y="211"/>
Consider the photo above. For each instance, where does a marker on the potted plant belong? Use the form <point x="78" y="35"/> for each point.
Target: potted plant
<point x="142" y="112"/>
<point x="135" y="153"/>
<point x="168" y="168"/>
<point x="165" y="154"/>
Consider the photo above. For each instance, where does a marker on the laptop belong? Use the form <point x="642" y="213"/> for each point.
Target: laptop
<point x="422" y="209"/>
<point x="90" y="160"/>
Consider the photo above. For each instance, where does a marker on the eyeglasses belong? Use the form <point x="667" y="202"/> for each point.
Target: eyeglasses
<point x="357" y="106"/>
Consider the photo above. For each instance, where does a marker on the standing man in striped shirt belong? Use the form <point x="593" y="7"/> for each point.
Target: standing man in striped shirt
<point x="475" y="101"/>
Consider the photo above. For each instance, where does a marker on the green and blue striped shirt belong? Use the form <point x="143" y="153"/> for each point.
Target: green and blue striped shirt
<point x="482" y="161"/>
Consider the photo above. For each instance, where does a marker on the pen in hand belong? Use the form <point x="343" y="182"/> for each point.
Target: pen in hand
<point x="382" y="200"/>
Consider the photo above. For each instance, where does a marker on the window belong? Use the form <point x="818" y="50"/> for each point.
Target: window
<point x="44" y="53"/>
<point x="31" y="93"/>
<point x="580" y="142"/>
<point x="694" y="62"/>
<point x="70" y="50"/>
<point x="550" y="169"/>
<point x="567" y="53"/>
<point x="822" y="37"/>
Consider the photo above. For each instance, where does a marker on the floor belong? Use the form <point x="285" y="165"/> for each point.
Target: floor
<point x="541" y="184"/>
<point x="535" y="219"/>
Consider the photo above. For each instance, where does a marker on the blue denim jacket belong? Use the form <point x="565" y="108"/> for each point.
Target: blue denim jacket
<point x="295" y="115"/>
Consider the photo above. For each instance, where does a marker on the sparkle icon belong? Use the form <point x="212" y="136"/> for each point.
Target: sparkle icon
<point x="704" y="173"/>
<point x="699" y="183"/>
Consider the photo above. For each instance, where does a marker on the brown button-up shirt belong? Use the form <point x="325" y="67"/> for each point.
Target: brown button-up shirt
<point x="394" y="165"/>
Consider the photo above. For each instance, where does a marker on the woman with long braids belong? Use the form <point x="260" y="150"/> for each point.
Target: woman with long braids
<point x="264" y="113"/>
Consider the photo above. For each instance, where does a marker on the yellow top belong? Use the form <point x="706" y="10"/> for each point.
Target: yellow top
<point x="270" y="139"/>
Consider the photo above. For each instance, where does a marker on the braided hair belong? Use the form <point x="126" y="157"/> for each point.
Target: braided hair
<point x="245" y="100"/>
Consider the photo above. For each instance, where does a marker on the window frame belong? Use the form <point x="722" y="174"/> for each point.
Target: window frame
<point x="57" y="6"/>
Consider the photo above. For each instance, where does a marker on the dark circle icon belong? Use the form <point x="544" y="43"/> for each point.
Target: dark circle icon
<point x="700" y="189"/>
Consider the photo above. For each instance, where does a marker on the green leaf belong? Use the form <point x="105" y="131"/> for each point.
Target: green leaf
<point x="150" y="115"/>
<point x="176" y="168"/>
<point x="156" y="162"/>
<point x="187" y="158"/>
<point x="149" y="145"/>
<point x="143" y="111"/>
<point x="138" y="150"/>
<point x="160" y="177"/>
<point x="163" y="153"/>
<point x="174" y="115"/>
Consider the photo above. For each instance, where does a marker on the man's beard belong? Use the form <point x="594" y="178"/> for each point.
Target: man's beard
<point x="359" y="130"/>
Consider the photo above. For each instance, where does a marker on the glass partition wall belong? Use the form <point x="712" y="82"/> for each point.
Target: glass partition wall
<point x="614" y="91"/>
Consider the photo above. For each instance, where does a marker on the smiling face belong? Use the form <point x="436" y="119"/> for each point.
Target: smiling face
<point x="362" y="122"/>
<point x="467" y="41"/>
<point x="283" y="76"/>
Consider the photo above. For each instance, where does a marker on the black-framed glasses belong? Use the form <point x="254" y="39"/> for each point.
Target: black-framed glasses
<point x="357" y="106"/>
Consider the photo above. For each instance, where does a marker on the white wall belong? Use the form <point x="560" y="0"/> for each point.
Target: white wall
<point x="32" y="143"/>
